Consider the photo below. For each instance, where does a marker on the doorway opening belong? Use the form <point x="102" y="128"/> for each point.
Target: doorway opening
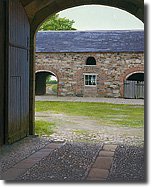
<point x="52" y="114"/>
<point x="46" y="83"/>
<point x="134" y="86"/>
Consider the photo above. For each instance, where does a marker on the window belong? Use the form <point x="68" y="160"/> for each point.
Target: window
<point x="90" y="80"/>
<point x="90" y="61"/>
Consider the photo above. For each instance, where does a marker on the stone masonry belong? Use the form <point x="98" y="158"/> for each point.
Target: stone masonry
<point x="116" y="55"/>
<point x="111" y="69"/>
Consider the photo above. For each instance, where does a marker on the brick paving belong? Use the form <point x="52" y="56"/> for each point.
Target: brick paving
<point x="22" y="166"/>
<point x="101" y="167"/>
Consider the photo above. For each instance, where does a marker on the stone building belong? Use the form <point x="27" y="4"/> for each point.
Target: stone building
<point x="91" y="63"/>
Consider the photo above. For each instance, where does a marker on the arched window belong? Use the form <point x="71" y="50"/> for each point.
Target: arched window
<point x="91" y="61"/>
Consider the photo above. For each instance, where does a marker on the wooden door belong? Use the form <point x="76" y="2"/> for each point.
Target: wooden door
<point x="129" y="89"/>
<point x="18" y="72"/>
<point x="140" y="90"/>
<point x="2" y="69"/>
<point x="134" y="89"/>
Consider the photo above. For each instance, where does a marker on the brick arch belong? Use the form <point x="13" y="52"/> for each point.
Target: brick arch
<point x="47" y="68"/>
<point x="127" y="73"/>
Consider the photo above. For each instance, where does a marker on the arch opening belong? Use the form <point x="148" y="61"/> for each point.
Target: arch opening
<point x="46" y="83"/>
<point x="135" y="8"/>
<point x="125" y="13"/>
<point x="134" y="86"/>
<point x="91" y="61"/>
<point x="136" y="77"/>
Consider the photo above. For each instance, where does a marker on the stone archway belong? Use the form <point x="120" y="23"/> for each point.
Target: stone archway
<point x="31" y="13"/>
<point x="40" y="12"/>
<point x="41" y="85"/>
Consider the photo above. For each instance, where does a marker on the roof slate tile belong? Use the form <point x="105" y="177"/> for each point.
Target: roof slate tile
<point x="90" y="41"/>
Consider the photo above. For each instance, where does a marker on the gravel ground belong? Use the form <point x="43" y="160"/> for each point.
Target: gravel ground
<point x="70" y="163"/>
<point x="91" y="99"/>
<point x="128" y="165"/>
<point x="80" y="128"/>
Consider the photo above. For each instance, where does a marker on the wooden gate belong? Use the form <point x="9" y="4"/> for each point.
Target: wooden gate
<point x="134" y="89"/>
<point x="18" y="72"/>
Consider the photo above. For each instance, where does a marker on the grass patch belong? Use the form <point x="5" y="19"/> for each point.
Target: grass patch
<point x="81" y="132"/>
<point x="54" y="88"/>
<point x="107" y="114"/>
<point x="44" y="127"/>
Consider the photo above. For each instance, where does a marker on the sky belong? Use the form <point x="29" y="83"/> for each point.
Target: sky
<point x="98" y="17"/>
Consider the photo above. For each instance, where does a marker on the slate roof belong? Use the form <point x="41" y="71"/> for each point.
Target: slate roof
<point x="90" y="41"/>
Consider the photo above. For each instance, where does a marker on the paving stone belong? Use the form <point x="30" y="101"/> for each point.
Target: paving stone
<point x="98" y="173"/>
<point x="95" y="179"/>
<point x="103" y="163"/>
<point x="27" y="163"/>
<point x="53" y="146"/>
<point x="109" y="147"/>
<point x="46" y="150"/>
<point x="39" y="155"/>
<point x="106" y="153"/>
<point x="12" y="173"/>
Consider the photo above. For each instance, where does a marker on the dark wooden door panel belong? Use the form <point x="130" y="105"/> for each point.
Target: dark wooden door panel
<point x="18" y="72"/>
<point x="14" y="111"/>
<point x="2" y="69"/>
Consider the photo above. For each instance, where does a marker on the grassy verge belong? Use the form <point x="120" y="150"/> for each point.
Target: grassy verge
<point x="107" y="114"/>
<point x="44" y="127"/>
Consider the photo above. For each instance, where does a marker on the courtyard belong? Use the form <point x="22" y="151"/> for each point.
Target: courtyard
<point x="73" y="145"/>
<point x="117" y="121"/>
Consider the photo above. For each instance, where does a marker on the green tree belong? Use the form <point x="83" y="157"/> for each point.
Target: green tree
<point x="56" y="23"/>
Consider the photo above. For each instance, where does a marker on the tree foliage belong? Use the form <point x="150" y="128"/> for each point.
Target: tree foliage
<point x="56" y="23"/>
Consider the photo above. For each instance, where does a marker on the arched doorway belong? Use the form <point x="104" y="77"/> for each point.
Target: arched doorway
<point x="134" y="85"/>
<point x="43" y="14"/>
<point x="20" y="45"/>
<point x="46" y="83"/>
<point x="38" y="11"/>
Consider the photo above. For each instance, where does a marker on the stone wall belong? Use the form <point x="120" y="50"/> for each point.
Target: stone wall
<point x="111" y="70"/>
